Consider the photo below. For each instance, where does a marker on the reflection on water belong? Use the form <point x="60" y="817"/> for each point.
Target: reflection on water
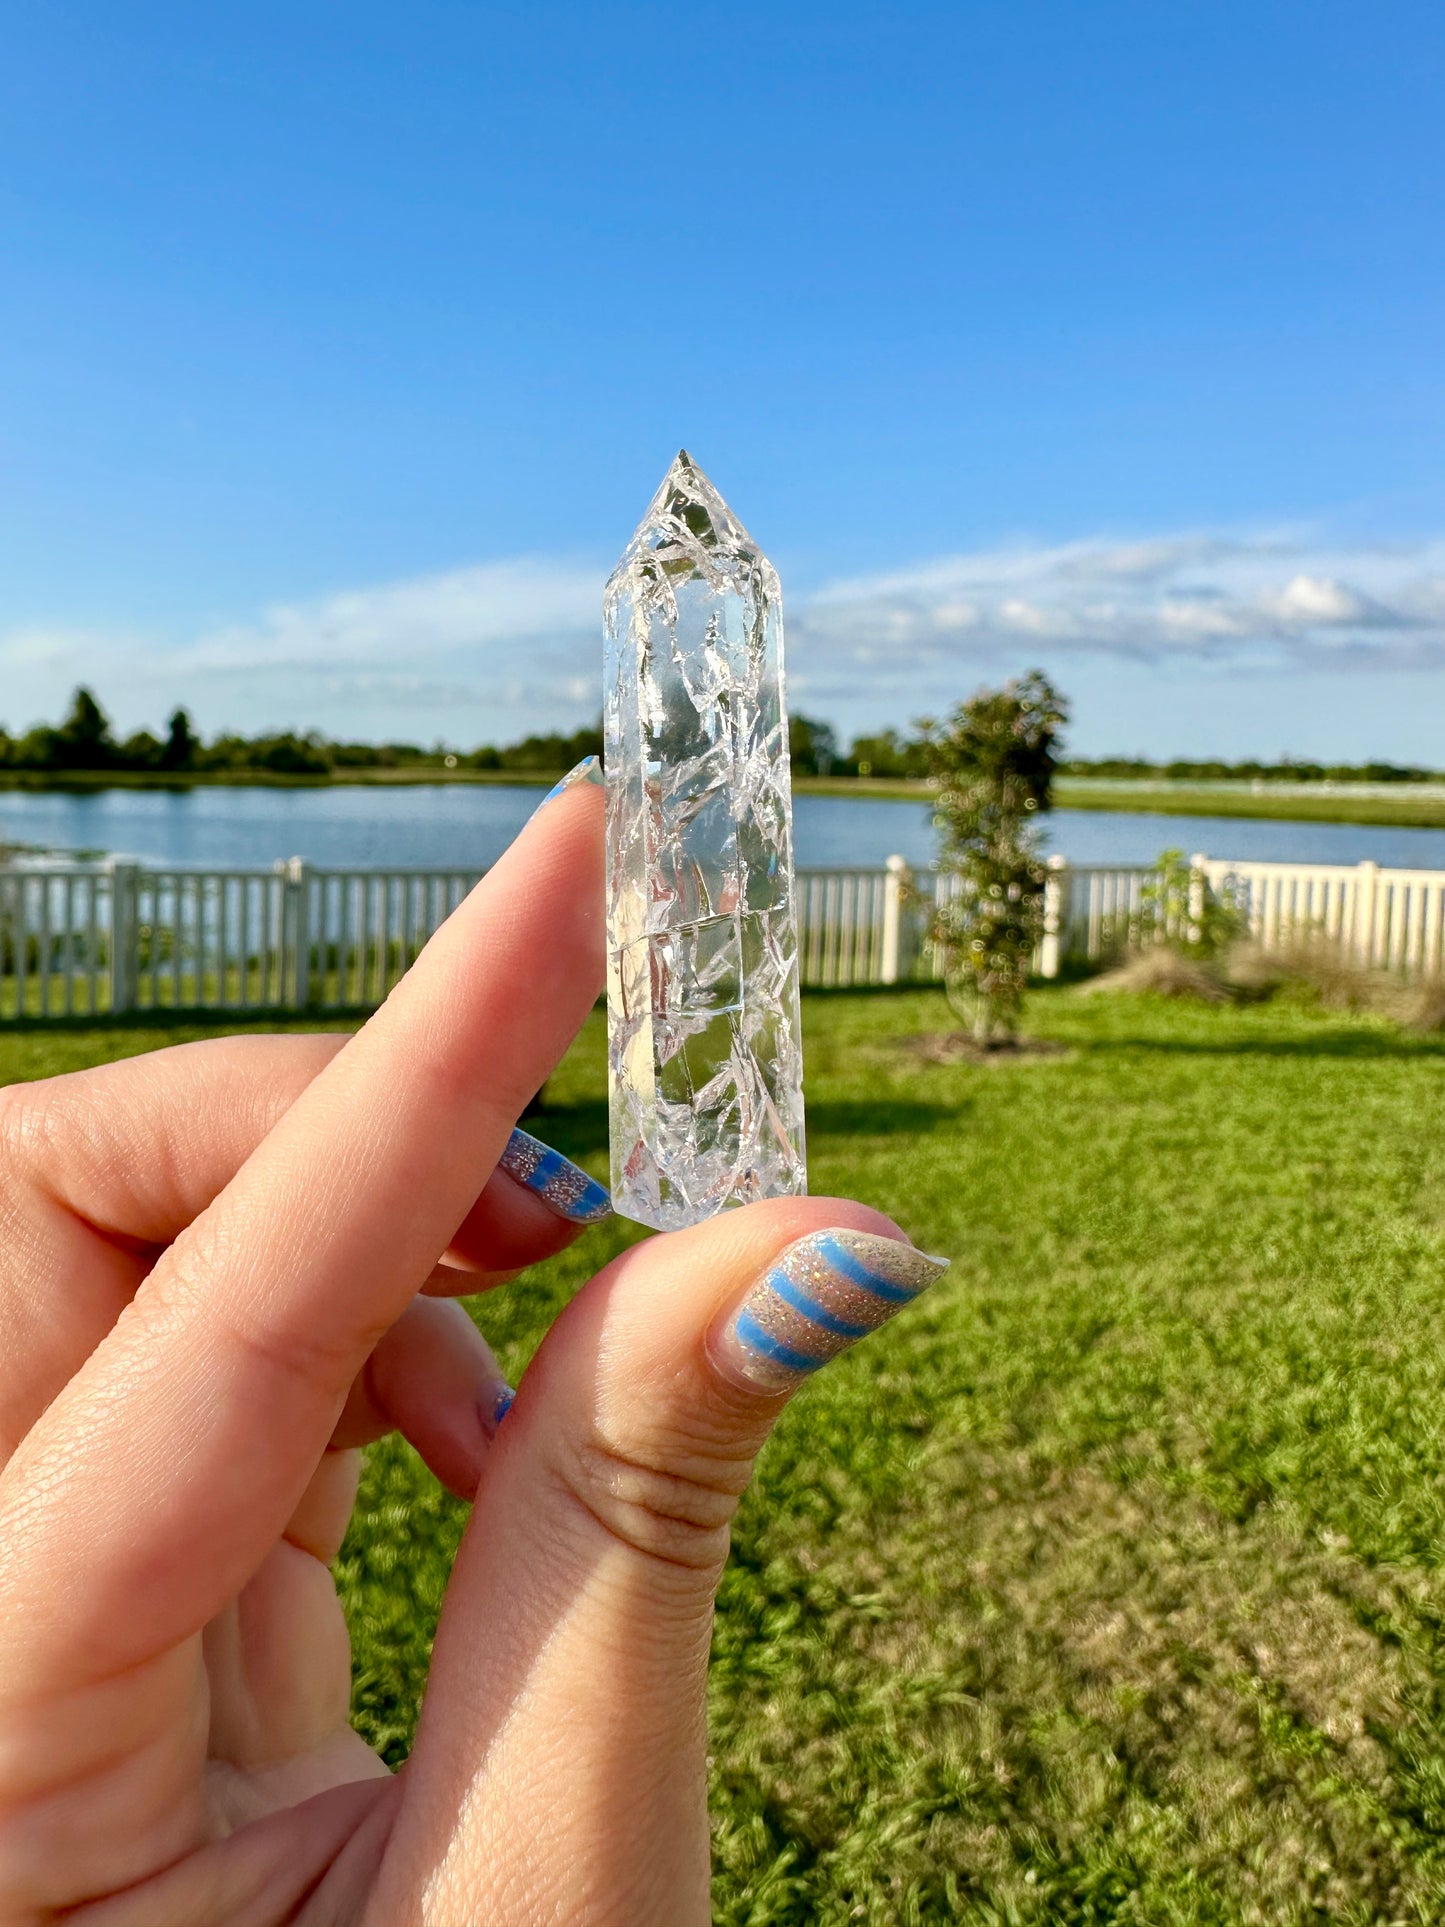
<point x="435" y="826"/>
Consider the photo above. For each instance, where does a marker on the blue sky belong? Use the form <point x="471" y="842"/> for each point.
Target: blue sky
<point x="342" y="347"/>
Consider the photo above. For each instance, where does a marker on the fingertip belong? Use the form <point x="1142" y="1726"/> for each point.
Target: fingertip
<point x="564" y="1187"/>
<point x="434" y="1379"/>
<point x="681" y="1320"/>
<point x="817" y="1298"/>
<point x="510" y="1227"/>
<point x="739" y="1242"/>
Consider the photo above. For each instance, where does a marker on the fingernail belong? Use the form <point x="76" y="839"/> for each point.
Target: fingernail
<point x="494" y="1401"/>
<point x="557" y="1181"/>
<point x="823" y="1294"/>
<point x="589" y="770"/>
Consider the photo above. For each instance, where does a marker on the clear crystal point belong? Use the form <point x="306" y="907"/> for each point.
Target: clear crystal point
<point x="705" y="1062"/>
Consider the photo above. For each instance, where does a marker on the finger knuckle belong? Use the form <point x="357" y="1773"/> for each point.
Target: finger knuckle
<point x="209" y="1281"/>
<point x="671" y="1505"/>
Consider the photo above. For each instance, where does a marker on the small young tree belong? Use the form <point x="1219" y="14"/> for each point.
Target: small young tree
<point x="992" y="764"/>
<point x="1181" y="909"/>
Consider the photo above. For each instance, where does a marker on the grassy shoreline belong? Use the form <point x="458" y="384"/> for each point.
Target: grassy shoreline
<point x="1330" y="806"/>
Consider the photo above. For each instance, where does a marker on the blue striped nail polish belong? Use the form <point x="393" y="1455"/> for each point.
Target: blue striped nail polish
<point x="826" y="1291"/>
<point x="562" y="1185"/>
<point x="589" y="770"/>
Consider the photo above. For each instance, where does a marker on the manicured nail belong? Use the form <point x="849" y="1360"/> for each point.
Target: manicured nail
<point x="826" y="1291"/>
<point x="503" y="1405"/>
<point x="557" y="1181"/>
<point x="589" y="770"/>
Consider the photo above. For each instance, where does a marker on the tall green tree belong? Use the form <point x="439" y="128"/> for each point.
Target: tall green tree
<point x="181" y="744"/>
<point x="887" y="754"/>
<point x="812" y="746"/>
<point x="993" y="763"/>
<point x="83" y="740"/>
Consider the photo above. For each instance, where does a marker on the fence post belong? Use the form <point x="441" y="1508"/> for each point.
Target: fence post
<point x="124" y="934"/>
<point x="1366" y="890"/>
<point x="1198" y="887"/>
<point x="896" y="885"/>
<point x="296" y="924"/>
<point x="1056" y="916"/>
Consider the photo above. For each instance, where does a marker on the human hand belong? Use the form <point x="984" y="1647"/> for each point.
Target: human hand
<point x="224" y="1267"/>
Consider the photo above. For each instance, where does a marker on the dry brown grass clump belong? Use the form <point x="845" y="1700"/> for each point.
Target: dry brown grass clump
<point x="1162" y="972"/>
<point x="1303" y="965"/>
<point x="1422" y="1005"/>
<point x="1319" y="967"/>
<point x="958" y="1047"/>
<point x="1314" y="964"/>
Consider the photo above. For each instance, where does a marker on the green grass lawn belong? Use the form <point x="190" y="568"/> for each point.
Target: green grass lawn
<point x="1325" y="806"/>
<point x="1109" y="1583"/>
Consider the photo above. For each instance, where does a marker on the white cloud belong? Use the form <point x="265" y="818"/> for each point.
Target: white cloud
<point x="514" y="640"/>
<point x="955" y="615"/>
<point x="1276" y="598"/>
<point x="493" y="604"/>
<point x="480" y="653"/>
<point x="489" y="651"/>
<point x="1321" y="601"/>
<point x="1026" y="618"/>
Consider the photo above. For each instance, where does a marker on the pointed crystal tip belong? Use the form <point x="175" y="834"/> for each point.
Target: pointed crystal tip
<point x="688" y="532"/>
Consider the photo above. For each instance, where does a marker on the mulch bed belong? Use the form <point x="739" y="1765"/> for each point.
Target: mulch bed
<point x="958" y="1047"/>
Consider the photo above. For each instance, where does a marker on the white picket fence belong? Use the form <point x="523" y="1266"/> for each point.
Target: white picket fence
<point x="1385" y="919"/>
<point x="82" y="939"/>
<point x="79" y="939"/>
<point x="871" y="926"/>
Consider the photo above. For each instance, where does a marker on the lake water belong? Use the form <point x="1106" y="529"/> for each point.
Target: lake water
<point x="437" y="826"/>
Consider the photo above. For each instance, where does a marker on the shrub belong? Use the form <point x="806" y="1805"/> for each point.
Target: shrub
<point x="993" y="765"/>
<point x="1194" y="919"/>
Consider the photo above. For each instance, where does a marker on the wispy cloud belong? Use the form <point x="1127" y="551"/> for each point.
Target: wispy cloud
<point x="472" y="653"/>
<point x="514" y="634"/>
<point x="1269" y="599"/>
<point x="492" y="606"/>
<point x="490" y="650"/>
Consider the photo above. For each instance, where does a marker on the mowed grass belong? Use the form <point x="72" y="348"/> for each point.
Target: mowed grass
<point x="1105" y="1585"/>
<point x="1327" y="806"/>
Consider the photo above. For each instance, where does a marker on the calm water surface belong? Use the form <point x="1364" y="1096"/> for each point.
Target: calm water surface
<point x="436" y="826"/>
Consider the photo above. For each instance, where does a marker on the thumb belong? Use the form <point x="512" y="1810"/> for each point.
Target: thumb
<point x="560" y="1768"/>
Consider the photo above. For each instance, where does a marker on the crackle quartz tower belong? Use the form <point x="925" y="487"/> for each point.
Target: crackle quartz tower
<point x="705" y="1064"/>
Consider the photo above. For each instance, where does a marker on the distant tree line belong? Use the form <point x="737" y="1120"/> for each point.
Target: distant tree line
<point x="1286" y="770"/>
<point x="86" y="741"/>
<point x="816" y="752"/>
<point x="889" y="753"/>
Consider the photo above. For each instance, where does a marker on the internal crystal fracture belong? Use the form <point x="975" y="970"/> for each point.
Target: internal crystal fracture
<point x="705" y="1063"/>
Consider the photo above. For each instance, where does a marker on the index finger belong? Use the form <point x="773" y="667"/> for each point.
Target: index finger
<point x="157" y="1481"/>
